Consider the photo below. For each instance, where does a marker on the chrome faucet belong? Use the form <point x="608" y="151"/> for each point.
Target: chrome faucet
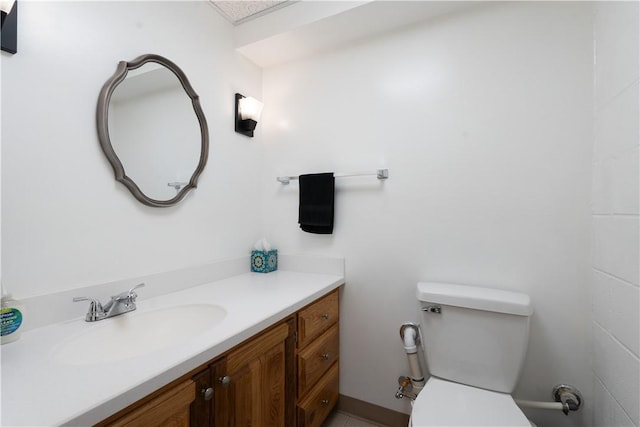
<point x="122" y="303"/>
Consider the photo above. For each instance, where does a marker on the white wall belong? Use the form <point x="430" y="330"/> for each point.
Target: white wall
<point x="66" y="223"/>
<point x="484" y="121"/>
<point x="483" y="118"/>
<point x="616" y="215"/>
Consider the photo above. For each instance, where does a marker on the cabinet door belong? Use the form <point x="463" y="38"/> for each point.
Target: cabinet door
<point x="169" y="409"/>
<point x="202" y="406"/>
<point x="252" y="383"/>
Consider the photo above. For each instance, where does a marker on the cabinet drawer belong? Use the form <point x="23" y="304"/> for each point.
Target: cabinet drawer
<point x="317" y="318"/>
<point x="317" y="358"/>
<point x="314" y="408"/>
<point x="171" y="408"/>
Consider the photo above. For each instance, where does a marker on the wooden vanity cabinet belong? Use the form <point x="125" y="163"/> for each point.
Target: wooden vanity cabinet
<point x="201" y="414"/>
<point x="317" y="360"/>
<point x="251" y="385"/>
<point x="256" y="381"/>
<point x="286" y="375"/>
<point x="170" y="407"/>
<point x="283" y="377"/>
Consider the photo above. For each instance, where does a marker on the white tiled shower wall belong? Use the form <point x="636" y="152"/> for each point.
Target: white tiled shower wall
<point x="616" y="296"/>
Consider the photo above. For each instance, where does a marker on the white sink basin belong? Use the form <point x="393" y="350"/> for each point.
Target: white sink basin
<point x="137" y="333"/>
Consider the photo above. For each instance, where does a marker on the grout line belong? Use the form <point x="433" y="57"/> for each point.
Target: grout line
<point x="615" y="215"/>
<point x="606" y="390"/>
<point x="611" y="276"/>
<point x="617" y="341"/>
<point x="605" y="103"/>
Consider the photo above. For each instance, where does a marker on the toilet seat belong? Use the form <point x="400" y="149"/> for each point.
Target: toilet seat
<point x="444" y="403"/>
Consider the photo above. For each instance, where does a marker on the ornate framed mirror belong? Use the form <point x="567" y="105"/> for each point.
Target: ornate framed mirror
<point x="152" y="130"/>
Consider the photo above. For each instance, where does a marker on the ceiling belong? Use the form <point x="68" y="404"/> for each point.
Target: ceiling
<point x="306" y="28"/>
<point x="238" y="12"/>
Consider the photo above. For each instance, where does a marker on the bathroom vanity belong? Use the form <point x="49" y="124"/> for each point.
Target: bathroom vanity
<point x="270" y="359"/>
<point x="255" y="383"/>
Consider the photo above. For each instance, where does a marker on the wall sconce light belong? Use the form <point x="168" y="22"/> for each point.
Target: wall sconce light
<point x="9" y="25"/>
<point x="247" y="114"/>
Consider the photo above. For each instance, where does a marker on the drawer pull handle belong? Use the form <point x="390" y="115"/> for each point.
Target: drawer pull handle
<point x="325" y="402"/>
<point x="224" y="381"/>
<point x="325" y="356"/>
<point x="325" y="316"/>
<point x="207" y="393"/>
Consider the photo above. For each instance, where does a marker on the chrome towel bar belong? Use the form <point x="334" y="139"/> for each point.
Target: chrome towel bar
<point x="380" y="174"/>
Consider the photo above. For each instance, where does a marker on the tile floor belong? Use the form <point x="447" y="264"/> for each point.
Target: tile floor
<point x="342" y="419"/>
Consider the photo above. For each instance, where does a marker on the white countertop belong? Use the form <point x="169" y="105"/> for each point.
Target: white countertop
<point x="38" y="391"/>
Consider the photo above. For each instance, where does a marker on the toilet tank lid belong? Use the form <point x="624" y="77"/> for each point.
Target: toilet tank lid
<point x="475" y="297"/>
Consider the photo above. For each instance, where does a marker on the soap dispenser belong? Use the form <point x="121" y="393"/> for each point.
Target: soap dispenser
<point x="10" y="318"/>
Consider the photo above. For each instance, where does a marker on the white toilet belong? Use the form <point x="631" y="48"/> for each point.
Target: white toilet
<point x="475" y="340"/>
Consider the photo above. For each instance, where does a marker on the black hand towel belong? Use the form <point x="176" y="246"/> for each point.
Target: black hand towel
<point x="315" y="214"/>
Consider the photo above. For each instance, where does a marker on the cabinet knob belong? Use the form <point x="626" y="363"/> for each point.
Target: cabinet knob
<point x="224" y="381"/>
<point x="325" y="402"/>
<point x="207" y="393"/>
<point x="325" y="356"/>
<point x="325" y="316"/>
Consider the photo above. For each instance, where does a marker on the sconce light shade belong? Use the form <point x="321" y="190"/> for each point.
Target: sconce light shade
<point x="247" y="114"/>
<point x="6" y="5"/>
<point x="9" y="25"/>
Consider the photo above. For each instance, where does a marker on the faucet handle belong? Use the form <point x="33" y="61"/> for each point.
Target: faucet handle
<point x="133" y="295"/>
<point x="93" y="300"/>
<point x="96" y="312"/>
<point x="129" y="295"/>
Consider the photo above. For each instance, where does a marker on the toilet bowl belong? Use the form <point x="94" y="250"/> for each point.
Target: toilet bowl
<point x="474" y="341"/>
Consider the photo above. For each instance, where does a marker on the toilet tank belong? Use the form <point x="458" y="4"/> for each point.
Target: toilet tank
<point x="473" y="335"/>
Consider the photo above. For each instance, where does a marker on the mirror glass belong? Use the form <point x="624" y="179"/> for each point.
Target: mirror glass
<point x="153" y="130"/>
